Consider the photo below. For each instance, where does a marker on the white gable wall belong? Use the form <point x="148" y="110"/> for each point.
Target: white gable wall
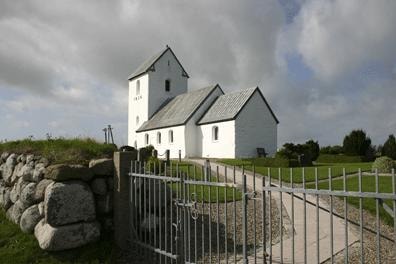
<point x="194" y="134"/>
<point x="137" y="106"/>
<point x="163" y="71"/>
<point x="178" y="141"/>
<point x="224" y="147"/>
<point x="255" y="127"/>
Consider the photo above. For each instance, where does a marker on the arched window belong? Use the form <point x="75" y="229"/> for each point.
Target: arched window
<point x="137" y="87"/>
<point x="170" y="136"/>
<point x="215" y="133"/>
<point x="137" y="120"/>
<point x="167" y="85"/>
<point x="158" y="138"/>
<point x="146" y="139"/>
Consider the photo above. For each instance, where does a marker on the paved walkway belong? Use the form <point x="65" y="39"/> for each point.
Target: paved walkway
<point x="299" y="237"/>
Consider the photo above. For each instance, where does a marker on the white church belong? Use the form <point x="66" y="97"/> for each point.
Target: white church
<point x="202" y="122"/>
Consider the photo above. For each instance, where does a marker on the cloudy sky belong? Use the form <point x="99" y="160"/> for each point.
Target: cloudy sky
<point x="326" y="67"/>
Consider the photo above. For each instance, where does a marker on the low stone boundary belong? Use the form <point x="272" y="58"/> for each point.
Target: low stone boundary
<point x="65" y="206"/>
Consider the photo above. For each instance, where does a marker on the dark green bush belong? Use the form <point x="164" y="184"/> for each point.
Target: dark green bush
<point x="155" y="165"/>
<point x="332" y="150"/>
<point x="340" y="158"/>
<point x="313" y="147"/>
<point x="389" y="148"/>
<point x="146" y="153"/>
<point x="356" y="143"/>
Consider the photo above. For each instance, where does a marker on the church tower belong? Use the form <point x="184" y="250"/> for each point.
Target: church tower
<point x="152" y="85"/>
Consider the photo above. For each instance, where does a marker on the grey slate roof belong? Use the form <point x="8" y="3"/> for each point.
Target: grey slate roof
<point x="227" y="106"/>
<point x="178" y="110"/>
<point x="145" y="66"/>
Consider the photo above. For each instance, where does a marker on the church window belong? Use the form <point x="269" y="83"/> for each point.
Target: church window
<point x="158" y="138"/>
<point x="215" y="133"/>
<point x="137" y="120"/>
<point x="137" y="87"/>
<point x="170" y="136"/>
<point x="167" y="85"/>
<point x="146" y="139"/>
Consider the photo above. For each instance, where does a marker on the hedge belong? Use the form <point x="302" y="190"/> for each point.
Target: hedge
<point x="275" y="162"/>
<point x="339" y="158"/>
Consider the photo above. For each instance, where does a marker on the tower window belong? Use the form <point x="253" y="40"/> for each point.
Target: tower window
<point x="167" y="85"/>
<point x="137" y="120"/>
<point x="215" y="133"/>
<point x="146" y="139"/>
<point x="170" y="135"/>
<point x="158" y="138"/>
<point x="137" y="87"/>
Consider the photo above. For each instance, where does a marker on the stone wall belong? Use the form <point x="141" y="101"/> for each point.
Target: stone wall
<point x="65" y="206"/>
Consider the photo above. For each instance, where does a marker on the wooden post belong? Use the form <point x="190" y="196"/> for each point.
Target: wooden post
<point x="121" y="215"/>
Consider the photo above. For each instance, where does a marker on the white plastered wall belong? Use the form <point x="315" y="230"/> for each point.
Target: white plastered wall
<point x="178" y="140"/>
<point x="255" y="127"/>
<point x="194" y="136"/>
<point x="224" y="147"/>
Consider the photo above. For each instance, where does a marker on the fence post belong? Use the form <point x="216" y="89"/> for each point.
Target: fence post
<point x="244" y="218"/>
<point x="122" y="223"/>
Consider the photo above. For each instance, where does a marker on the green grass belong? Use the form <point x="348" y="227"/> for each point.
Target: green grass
<point x="59" y="150"/>
<point x="203" y="192"/>
<point x="18" y="247"/>
<point x="323" y="169"/>
<point x="368" y="185"/>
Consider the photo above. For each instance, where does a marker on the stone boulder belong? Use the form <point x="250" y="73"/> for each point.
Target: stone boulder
<point x="40" y="190"/>
<point x="104" y="203"/>
<point x="30" y="218"/>
<point x="102" y="167"/>
<point x="66" y="237"/>
<point x="17" y="172"/>
<point x="28" y="194"/>
<point x="21" y="158"/>
<point x="27" y="171"/>
<point x="4" y="156"/>
<point x="98" y="186"/>
<point x="5" y="200"/>
<point x="8" y="169"/>
<point x="17" y="189"/>
<point x="63" y="172"/>
<point x="15" y="212"/>
<point x="68" y="202"/>
<point x="38" y="173"/>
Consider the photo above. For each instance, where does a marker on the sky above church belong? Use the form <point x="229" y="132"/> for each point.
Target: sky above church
<point x="325" y="67"/>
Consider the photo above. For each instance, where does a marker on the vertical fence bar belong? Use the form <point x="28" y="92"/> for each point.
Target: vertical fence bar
<point x="155" y="210"/>
<point x="166" y="212"/>
<point x="203" y="219"/>
<point x="145" y="238"/>
<point x="234" y="213"/>
<point x="331" y="218"/>
<point x="345" y="217"/>
<point x="159" y="208"/>
<point x="217" y="216"/>
<point x="171" y="211"/>
<point x="244" y="218"/>
<point x="195" y="219"/>
<point x="184" y="220"/>
<point x="225" y="216"/>
<point x="254" y="215"/>
<point x="292" y="215"/>
<point x="131" y="205"/>
<point x="377" y="219"/>
<point x="270" y="216"/>
<point x="317" y="216"/>
<point x="305" y="216"/>
<point x="263" y="219"/>
<point x="189" y="215"/>
<point x="280" y="215"/>
<point x="210" y="217"/>
<point x="135" y="207"/>
<point x="394" y="211"/>
<point x="361" y="218"/>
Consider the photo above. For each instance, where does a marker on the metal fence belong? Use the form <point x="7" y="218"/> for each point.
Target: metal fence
<point x="196" y="214"/>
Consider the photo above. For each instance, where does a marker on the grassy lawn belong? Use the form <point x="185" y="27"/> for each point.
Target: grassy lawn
<point x="60" y="150"/>
<point x="203" y="192"/>
<point x="18" y="247"/>
<point x="368" y="185"/>
<point x="323" y="169"/>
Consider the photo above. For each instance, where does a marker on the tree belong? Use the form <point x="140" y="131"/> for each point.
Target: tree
<point x="356" y="143"/>
<point x="314" y="148"/>
<point x="389" y="148"/>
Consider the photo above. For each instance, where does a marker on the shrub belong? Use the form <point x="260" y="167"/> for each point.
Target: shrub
<point x="300" y="152"/>
<point x="383" y="164"/>
<point x="356" y="143"/>
<point x="389" y="148"/>
<point x="155" y="165"/>
<point x="313" y="147"/>
<point x="332" y="150"/>
<point x="340" y="158"/>
<point x="146" y="153"/>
